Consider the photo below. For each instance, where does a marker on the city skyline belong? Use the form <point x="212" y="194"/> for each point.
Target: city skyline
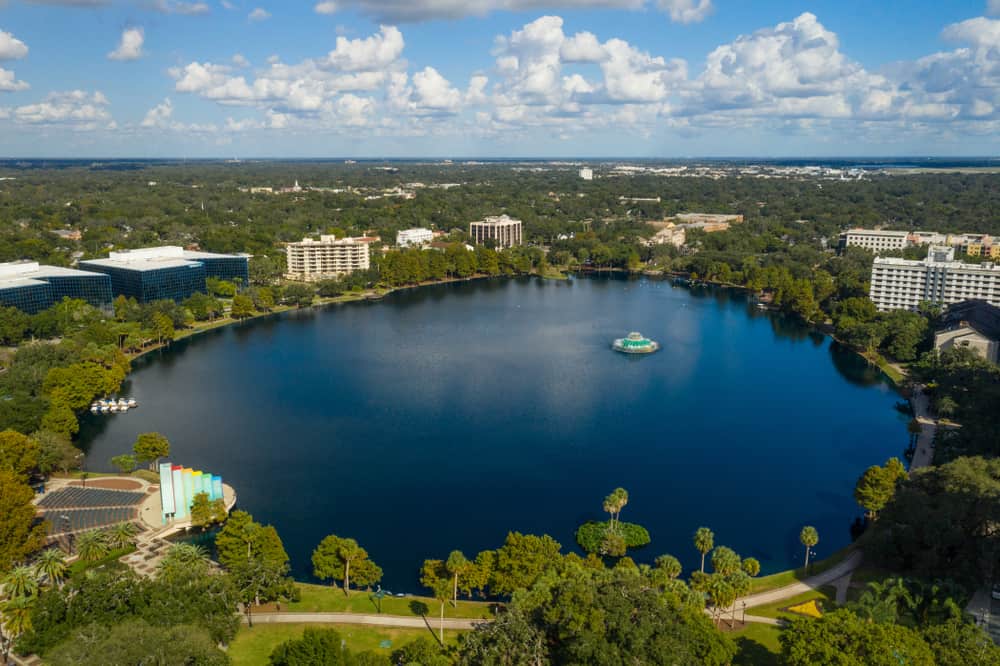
<point x="498" y="78"/>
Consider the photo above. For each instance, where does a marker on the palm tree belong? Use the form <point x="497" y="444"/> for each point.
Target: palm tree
<point x="91" y="546"/>
<point x="121" y="535"/>
<point x="349" y="550"/>
<point x="183" y="557"/>
<point x="52" y="564"/>
<point x="16" y="615"/>
<point x="704" y="541"/>
<point x="614" y="503"/>
<point x="456" y="564"/>
<point x="20" y="582"/>
<point x="809" y="538"/>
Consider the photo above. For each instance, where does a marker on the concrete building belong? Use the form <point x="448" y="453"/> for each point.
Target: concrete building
<point x="671" y="234"/>
<point x="709" y="219"/>
<point x="876" y="240"/>
<point x="31" y="287"/>
<point x="901" y="284"/>
<point x="168" y="272"/>
<point x="974" y="324"/>
<point x="587" y="174"/>
<point x="418" y="236"/>
<point x="327" y="257"/>
<point x="502" y="230"/>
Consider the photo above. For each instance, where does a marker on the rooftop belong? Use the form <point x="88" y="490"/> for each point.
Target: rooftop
<point x="155" y="258"/>
<point x="498" y="220"/>
<point x="24" y="273"/>
<point x="976" y="314"/>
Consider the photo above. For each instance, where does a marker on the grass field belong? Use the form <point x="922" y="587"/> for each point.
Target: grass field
<point x="826" y="594"/>
<point x="251" y="647"/>
<point x="783" y="578"/>
<point x="757" y="644"/>
<point x="325" y="598"/>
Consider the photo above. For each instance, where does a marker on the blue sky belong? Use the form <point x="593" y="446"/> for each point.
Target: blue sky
<point x="410" y="78"/>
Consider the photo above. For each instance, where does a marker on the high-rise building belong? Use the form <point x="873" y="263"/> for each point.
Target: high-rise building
<point x="327" y="257"/>
<point x="901" y="284"/>
<point x="168" y="272"/>
<point x="502" y="230"/>
<point x="587" y="174"/>
<point x="418" y="236"/>
<point x="30" y="287"/>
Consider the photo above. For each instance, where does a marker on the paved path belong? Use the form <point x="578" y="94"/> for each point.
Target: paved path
<point x="849" y="564"/>
<point x="357" y="618"/>
<point x="924" y="453"/>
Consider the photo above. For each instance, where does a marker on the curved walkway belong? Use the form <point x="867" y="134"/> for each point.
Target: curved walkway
<point x="357" y="618"/>
<point x="849" y="564"/>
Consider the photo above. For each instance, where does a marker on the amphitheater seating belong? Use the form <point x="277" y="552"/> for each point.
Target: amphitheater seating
<point x="79" y="498"/>
<point x="75" y="520"/>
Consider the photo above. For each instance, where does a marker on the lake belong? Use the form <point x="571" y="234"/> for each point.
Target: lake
<point x="443" y="417"/>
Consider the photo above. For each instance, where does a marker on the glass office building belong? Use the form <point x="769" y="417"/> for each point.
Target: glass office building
<point x="32" y="288"/>
<point x="167" y="273"/>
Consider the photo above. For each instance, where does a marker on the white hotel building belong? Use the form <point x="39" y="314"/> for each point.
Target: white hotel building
<point x="504" y="231"/>
<point x="901" y="284"/>
<point x="418" y="236"/>
<point x="326" y="258"/>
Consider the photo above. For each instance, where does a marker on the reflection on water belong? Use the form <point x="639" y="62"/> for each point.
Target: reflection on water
<point x="442" y="417"/>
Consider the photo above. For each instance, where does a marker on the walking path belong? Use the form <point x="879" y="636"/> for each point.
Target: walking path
<point x="357" y="618"/>
<point x="924" y="453"/>
<point x="849" y="564"/>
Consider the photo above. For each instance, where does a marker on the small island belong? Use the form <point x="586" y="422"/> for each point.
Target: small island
<point x="635" y="343"/>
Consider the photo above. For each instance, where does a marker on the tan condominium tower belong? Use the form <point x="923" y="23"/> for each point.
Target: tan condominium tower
<point x="502" y="230"/>
<point x="327" y="257"/>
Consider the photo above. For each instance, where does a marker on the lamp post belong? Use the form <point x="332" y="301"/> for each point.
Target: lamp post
<point x="744" y="612"/>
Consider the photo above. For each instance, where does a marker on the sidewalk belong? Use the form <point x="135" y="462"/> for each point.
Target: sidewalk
<point x="852" y="562"/>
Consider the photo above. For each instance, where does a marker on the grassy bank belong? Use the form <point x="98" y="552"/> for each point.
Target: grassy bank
<point x="252" y="647"/>
<point x="783" y="578"/>
<point x="328" y="599"/>
<point x="826" y="595"/>
<point x="758" y="645"/>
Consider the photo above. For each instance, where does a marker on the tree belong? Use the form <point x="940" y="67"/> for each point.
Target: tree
<point x="334" y="558"/>
<point x="51" y="564"/>
<point x="56" y="452"/>
<point x="808" y="537"/>
<point x="121" y="535"/>
<point x="436" y="576"/>
<point x="18" y="453"/>
<point x="300" y="295"/>
<point x="138" y="642"/>
<point x="60" y="419"/>
<point x="704" y="541"/>
<point x="840" y="638"/>
<point x="125" y="463"/>
<point x="150" y="447"/>
<point x="21" y="581"/>
<point x="521" y="560"/>
<point x="182" y="557"/>
<point x="457" y="565"/>
<point x="669" y="565"/>
<point x="15" y="620"/>
<point x="614" y="503"/>
<point x="751" y="566"/>
<point x="163" y="327"/>
<point x="204" y="511"/>
<point x="91" y="546"/>
<point x="255" y="558"/>
<point x="317" y="646"/>
<point x="19" y="534"/>
<point x="421" y="651"/>
<point x="242" y="307"/>
<point x="958" y="643"/>
<point x="877" y="484"/>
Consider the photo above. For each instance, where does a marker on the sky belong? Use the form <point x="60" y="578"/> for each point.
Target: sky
<point x="499" y="78"/>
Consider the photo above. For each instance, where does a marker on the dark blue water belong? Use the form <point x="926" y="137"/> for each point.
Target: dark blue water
<point x="443" y="417"/>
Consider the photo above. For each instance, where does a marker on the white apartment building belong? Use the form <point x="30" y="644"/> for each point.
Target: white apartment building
<point x="504" y="231"/>
<point x="587" y="174"/>
<point x="876" y="241"/>
<point x="327" y="257"/>
<point x="901" y="284"/>
<point x="418" y="236"/>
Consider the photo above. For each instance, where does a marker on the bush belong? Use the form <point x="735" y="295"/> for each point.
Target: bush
<point x="591" y="535"/>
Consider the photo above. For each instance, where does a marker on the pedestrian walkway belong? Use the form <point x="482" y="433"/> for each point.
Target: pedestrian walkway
<point x="848" y="565"/>
<point x="358" y="618"/>
<point x="923" y="455"/>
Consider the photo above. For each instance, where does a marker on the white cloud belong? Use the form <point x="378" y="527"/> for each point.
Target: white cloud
<point x="686" y="11"/>
<point x="326" y="7"/>
<point x="159" y="115"/>
<point x="178" y="7"/>
<point x="130" y="46"/>
<point x="368" y="54"/>
<point x="228" y="6"/>
<point x="239" y="60"/>
<point x="259" y="14"/>
<point x="76" y="109"/>
<point x="11" y="48"/>
<point x="582" y="47"/>
<point x="9" y="83"/>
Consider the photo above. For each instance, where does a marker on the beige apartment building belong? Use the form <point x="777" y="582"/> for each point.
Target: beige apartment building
<point x="901" y="284"/>
<point x="327" y="257"/>
<point x="504" y="231"/>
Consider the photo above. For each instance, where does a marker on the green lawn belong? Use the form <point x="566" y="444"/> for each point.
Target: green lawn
<point x="783" y="578"/>
<point x="325" y="598"/>
<point x="826" y="594"/>
<point x="758" y="645"/>
<point x="252" y="647"/>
